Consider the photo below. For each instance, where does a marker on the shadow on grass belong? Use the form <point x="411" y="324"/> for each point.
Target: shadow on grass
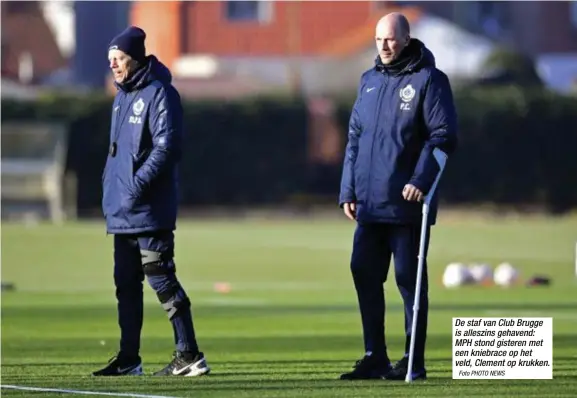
<point x="277" y="365"/>
<point x="316" y="346"/>
<point x="65" y="313"/>
<point x="226" y="385"/>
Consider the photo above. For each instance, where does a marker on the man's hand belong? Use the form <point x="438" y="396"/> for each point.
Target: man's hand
<point x="350" y="211"/>
<point x="412" y="193"/>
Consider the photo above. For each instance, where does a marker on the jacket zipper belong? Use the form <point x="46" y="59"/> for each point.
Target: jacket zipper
<point x="375" y="130"/>
<point x="115" y="133"/>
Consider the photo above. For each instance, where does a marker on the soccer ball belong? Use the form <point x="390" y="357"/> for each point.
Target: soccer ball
<point x="481" y="273"/>
<point x="505" y="275"/>
<point x="456" y="274"/>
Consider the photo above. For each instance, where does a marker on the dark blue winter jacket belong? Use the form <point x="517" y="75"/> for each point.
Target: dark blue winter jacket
<point x="402" y="112"/>
<point x="140" y="177"/>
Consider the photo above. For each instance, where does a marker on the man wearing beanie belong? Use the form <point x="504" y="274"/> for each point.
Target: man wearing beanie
<point x="139" y="202"/>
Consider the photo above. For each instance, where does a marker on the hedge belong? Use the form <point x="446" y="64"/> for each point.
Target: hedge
<point x="516" y="147"/>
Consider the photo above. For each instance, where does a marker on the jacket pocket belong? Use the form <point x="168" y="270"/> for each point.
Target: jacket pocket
<point x="124" y="176"/>
<point x="138" y="160"/>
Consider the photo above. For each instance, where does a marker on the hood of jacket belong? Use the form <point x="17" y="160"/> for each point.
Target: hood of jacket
<point x="413" y="57"/>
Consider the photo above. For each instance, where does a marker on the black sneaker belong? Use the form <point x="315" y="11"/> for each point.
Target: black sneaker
<point x="121" y="366"/>
<point x="399" y="371"/>
<point x="370" y="367"/>
<point x="185" y="364"/>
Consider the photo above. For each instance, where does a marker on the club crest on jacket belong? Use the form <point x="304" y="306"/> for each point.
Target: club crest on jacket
<point x="137" y="109"/>
<point x="406" y="94"/>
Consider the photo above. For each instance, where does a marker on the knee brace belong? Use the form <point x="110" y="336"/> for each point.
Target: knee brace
<point x="172" y="297"/>
<point x="155" y="263"/>
<point x="174" y="301"/>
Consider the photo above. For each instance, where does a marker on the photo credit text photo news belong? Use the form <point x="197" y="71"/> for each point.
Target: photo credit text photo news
<point x="502" y="348"/>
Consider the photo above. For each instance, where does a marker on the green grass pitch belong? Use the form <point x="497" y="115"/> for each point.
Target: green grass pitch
<point x="289" y="325"/>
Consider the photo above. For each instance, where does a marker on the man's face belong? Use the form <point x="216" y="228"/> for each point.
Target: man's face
<point x="121" y="65"/>
<point x="389" y="42"/>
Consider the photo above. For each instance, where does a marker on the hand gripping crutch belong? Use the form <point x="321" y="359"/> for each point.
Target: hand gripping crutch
<point x="441" y="158"/>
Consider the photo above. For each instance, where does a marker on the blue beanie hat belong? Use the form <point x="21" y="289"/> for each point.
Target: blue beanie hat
<point x="131" y="42"/>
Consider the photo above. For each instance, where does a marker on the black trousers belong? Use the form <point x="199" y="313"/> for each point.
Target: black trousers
<point x="149" y="254"/>
<point x="373" y="246"/>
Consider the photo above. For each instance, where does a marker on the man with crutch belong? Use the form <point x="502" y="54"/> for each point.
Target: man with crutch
<point x="402" y="128"/>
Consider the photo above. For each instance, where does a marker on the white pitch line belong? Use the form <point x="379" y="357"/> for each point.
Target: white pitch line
<point x="80" y="392"/>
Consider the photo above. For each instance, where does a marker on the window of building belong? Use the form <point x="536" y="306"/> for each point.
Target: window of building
<point x="490" y="17"/>
<point x="383" y="4"/>
<point x="573" y="13"/>
<point x="248" y="11"/>
<point x="16" y="7"/>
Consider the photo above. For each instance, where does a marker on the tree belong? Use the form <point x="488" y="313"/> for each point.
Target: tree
<point x="506" y="66"/>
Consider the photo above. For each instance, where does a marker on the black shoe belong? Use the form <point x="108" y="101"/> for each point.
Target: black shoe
<point x="185" y="364"/>
<point x="399" y="371"/>
<point x="370" y="367"/>
<point x="120" y="365"/>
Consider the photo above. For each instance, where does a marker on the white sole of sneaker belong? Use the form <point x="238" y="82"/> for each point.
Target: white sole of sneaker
<point x="137" y="371"/>
<point x="199" y="368"/>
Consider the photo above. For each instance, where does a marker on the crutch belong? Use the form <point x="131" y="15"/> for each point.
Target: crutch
<point x="441" y="158"/>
